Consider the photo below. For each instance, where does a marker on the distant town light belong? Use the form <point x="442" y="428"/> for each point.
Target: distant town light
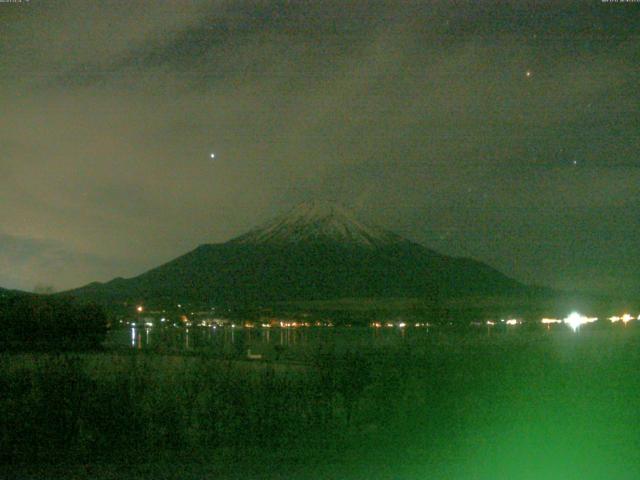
<point x="548" y="321"/>
<point x="575" y="320"/>
<point x="626" y="318"/>
<point x="139" y="308"/>
<point x="512" y="321"/>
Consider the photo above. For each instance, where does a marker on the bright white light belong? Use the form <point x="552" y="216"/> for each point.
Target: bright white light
<point x="139" y="308"/>
<point x="402" y="324"/>
<point x="512" y="321"/>
<point x="148" y="324"/>
<point x="575" y="320"/>
<point x="626" y="318"/>
<point x="490" y="322"/>
<point x="213" y="155"/>
<point x="614" y="319"/>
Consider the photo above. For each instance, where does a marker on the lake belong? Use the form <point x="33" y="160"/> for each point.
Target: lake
<point x="263" y="341"/>
<point x="301" y="342"/>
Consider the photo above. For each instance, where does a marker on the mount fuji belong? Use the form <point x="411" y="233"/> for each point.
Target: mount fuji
<point x="315" y="222"/>
<point x="314" y="252"/>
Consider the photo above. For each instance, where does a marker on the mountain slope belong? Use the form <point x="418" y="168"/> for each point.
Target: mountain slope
<point x="315" y="252"/>
<point x="4" y="293"/>
<point x="314" y="222"/>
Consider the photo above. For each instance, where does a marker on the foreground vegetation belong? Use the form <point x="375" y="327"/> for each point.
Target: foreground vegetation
<point x="534" y="405"/>
<point x="40" y="322"/>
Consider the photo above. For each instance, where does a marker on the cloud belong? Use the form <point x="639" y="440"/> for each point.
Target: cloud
<point x="29" y="262"/>
<point x="419" y="115"/>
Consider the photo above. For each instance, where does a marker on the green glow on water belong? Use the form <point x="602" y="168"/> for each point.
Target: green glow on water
<point x="566" y="409"/>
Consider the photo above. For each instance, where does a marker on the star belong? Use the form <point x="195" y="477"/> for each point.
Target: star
<point x="212" y="155"/>
<point x="528" y="73"/>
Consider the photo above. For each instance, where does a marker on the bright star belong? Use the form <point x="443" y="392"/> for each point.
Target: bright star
<point x="528" y="73"/>
<point x="213" y="155"/>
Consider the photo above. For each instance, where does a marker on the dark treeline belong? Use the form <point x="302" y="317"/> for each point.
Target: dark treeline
<point x="35" y="321"/>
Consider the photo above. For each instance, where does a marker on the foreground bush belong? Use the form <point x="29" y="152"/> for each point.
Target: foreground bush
<point x="34" y="321"/>
<point x="83" y="408"/>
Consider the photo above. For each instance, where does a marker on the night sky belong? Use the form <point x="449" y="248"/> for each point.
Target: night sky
<point x="508" y="132"/>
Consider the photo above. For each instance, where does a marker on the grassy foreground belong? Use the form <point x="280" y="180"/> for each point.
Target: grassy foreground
<point x="532" y="405"/>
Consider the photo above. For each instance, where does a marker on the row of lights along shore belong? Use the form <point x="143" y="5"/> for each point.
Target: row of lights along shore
<point x="574" y="320"/>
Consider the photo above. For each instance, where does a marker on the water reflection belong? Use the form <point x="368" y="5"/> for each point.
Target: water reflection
<point x="136" y="337"/>
<point x="238" y="340"/>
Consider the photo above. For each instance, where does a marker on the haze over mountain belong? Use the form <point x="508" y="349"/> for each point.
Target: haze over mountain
<point x="316" y="251"/>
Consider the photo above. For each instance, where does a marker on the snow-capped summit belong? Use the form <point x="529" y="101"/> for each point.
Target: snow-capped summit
<point x="317" y="251"/>
<point x="319" y="222"/>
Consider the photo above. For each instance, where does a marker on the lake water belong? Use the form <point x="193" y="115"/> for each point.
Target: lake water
<point x="295" y="343"/>
<point x="264" y="341"/>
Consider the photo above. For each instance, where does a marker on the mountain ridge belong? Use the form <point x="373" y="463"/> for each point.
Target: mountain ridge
<point x="313" y="252"/>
